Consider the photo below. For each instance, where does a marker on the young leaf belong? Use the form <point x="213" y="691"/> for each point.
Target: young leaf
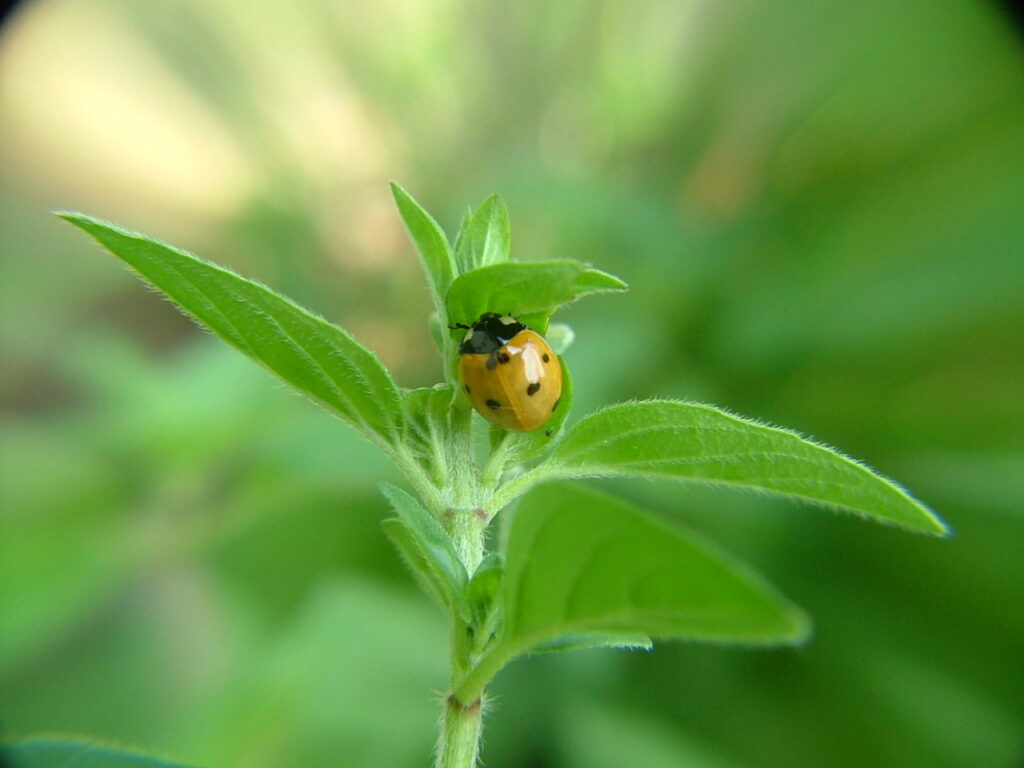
<point x="484" y="587"/>
<point x="428" y="411"/>
<point x="579" y="562"/>
<point x="412" y="555"/>
<point x="526" y="290"/>
<point x="435" y="546"/>
<point x="688" y="441"/>
<point x="467" y="217"/>
<point x="431" y="245"/>
<point x="313" y="356"/>
<point x="60" y="753"/>
<point x="484" y="239"/>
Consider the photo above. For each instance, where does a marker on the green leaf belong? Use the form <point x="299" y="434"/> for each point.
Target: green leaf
<point x="579" y="562"/>
<point x="411" y="552"/>
<point x="688" y="441"/>
<point x="529" y="291"/>
<point x="484" y="587"/>
<point x="467" y="217"/>
<point x="431" y="245"/>
<point x="438" y="333"/>
<point x="428" y="412"/>
<point x="60" y="753"/>
<point x="594" y="640"/>
<point x="484" y="238"/>
<point x="582" y="560"/>
<point x="307" y="352"/>
<point x="435" y="547"/>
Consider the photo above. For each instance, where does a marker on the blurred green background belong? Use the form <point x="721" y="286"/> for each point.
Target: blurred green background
<point x="819" y="207"/>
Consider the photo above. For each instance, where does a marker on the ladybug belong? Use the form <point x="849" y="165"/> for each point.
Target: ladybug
<point x="510" y="374"/>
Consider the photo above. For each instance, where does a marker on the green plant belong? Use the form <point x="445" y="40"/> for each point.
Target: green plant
<point x="573" y="567"/>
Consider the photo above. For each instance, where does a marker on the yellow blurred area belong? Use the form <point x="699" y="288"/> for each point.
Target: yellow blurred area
<point x="89" y="110"/>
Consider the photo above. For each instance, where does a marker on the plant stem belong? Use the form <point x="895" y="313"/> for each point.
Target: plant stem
<point x="459" y="744"/>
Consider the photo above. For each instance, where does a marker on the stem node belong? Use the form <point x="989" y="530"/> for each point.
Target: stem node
<point x="461" y="724"/>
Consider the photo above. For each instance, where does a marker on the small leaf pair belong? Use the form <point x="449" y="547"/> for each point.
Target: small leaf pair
<point x="476" y="276"/>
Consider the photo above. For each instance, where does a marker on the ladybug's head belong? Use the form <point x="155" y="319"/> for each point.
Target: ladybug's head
<point x="488" y="334"/>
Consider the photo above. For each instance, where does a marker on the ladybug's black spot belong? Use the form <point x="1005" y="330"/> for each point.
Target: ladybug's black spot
<point x="503" y="357"/>
<point x="546" y="358"/>
<point x="492" y="362"/>
<point x="493" y="404"/>
<point x="556" y="404"/>
<point x="467" y="389"/>
<point x="533" y="389"/>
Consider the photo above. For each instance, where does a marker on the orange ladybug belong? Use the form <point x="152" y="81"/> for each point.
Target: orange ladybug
<point x="510" y="374"/>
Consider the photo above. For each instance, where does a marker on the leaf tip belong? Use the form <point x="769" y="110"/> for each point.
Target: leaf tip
<point x="392" y="493"/>
<point x="617" y="283"/>
<point x="497" y="202"/>
<point x="936" y="527"/>
<point x="597" y="280"/>
<point x="399" y="193"/>
<point x="800" y="628"/>
<point x="72" y="217"/>
<point x="401" y="197"/>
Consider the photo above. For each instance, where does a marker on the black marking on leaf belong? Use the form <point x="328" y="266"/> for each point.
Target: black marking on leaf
<point x="533" y="389"/>
<point x="556" y="404"/>
<point x="467" y="389"/>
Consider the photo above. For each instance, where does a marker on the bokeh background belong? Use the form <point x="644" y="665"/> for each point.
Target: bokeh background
<point x="819" y="207"/>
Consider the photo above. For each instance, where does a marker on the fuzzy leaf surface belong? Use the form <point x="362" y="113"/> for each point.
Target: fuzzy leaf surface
<point x="689" y="441"/>
<point x="582" y="560"/>
<point x="438" y="553"/>
<point x="312" y="355"/>
<point x="484" y="237"/>
<point x="485" y="586"/>
<point x="583" y="568"/>
<point x="411" y="553"/>
<point x="530" y="291"/>
<point x="431" y="245"/>
<point x="428" y="416"/>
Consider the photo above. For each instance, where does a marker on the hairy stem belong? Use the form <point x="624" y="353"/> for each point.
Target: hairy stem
<point x="466" y="528"/>
<point x="459" y="744"/>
